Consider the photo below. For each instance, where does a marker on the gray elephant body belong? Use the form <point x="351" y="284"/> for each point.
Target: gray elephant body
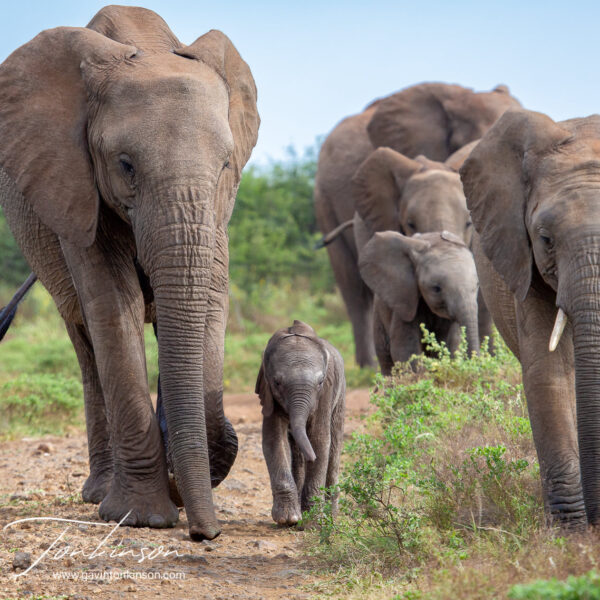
<point x="533" y="187"/>
<point x="119" y="197"/>
<point x="432" y="119"/>
<point x="428" y="278"/>
<point x="301" y="386"/>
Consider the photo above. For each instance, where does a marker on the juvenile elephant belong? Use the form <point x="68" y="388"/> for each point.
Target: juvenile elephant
<point x="121" y="152"/>
<point x="392" y="192"/>
<point x="432" y="119"/>
<point x="533" y="187"/>
<point x="428" y="278"/>
<point x="301" y="386"/>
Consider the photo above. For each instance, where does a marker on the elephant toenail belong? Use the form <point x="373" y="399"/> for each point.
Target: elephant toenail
<point x="157" y="521"/>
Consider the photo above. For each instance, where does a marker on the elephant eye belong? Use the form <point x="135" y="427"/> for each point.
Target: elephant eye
<point x="469" y="223"/>
<point x="436" y="289"/>
<point x="227" y="165"/>
<point x="126" y="166"/>
<point x="546" y="240"/>
<point x="411" y="225"/>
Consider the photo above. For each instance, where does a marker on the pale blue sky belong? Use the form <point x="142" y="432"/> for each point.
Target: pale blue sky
<point x="316" y="61"/>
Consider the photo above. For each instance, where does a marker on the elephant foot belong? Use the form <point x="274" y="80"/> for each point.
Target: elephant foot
<point x="146" y="509"/>
<point x="96" y="486"/>
<point x="286" y="509"/>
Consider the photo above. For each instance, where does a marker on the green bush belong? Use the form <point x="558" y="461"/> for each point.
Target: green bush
<point x="419" y="482"/>
<point x="585" y="587"/>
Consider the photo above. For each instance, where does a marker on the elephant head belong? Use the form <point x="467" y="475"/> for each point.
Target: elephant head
<point x="533" y="187"/>
<point x="396" y="193"/>
<point x="436" y="267"/>
<point x="436" y="119"/>
<point x="125" y="118"/>
<point x="294" y="373"/>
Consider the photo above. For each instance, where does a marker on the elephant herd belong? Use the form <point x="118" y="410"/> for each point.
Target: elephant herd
<point x="121" y="151"/>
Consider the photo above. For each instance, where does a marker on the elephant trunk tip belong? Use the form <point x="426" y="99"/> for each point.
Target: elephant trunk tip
<point x="198" y="533"/>
<point x="304" y="444"/>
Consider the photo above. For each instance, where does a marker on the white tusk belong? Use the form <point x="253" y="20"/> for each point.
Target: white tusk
<point x="559" y="327"/>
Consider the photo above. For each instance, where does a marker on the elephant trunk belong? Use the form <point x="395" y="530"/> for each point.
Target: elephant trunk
<point x="468" y="319"/>
<point x="584" y="311"/>
<point x="299" y="407"/>
<point x="177" y="255"/>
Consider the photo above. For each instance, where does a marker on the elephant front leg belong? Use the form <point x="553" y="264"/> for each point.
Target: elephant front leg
<point x="548" y="380"/>
<point x="319" y="434"/>
<point x="113" y="309"/>
<point x="276" y="449"/>
<point x="99" y="448"/>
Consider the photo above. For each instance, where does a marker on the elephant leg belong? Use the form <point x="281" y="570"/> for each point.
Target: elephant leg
<point x="335" y="449"/>
<point x="405" y="339"/>
<point x="382" y="345"/>
<point x="484" y="319"/>
<point x="222" y="439"/>
<point x="319" y="434"/>
<point x="276" y="449"/>
<point x="358" y="298"/>
<point x="548" y="379"/>
<point x="113" y="307"/>
<point x="99" y="447"/>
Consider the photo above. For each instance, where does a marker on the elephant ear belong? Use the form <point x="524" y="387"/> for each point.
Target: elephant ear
<point x="455" y="161"/>
<point x="435" y="119"/>
<point x="496" y="179"/>
<point x="135" y="26"/>
<point x="377" y="187"/>
<point x="216" y="50"/>
<point x="263" y="389"/>
<point x="302" y="328"/>
<point x="413" y="122"/>
<point x="386" y="265"/>
<point x="43" y="117"/>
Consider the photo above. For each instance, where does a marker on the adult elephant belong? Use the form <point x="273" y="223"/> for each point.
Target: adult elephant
<point x="121" y="153"/>
<point x="533" y="187"/>
<point x="433" y="119"/>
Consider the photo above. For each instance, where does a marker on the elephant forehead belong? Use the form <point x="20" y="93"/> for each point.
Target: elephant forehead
<point x="434" y="184"/>
<point x="164" y="77"/>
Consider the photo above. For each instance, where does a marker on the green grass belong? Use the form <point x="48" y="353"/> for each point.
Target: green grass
<point x="37" y="354"/>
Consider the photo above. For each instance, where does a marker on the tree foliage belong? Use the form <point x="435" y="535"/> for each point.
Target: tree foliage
<point x="272" y="232"/>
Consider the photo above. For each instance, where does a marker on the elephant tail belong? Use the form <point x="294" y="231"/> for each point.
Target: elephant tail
<point x="7" y="314"/>
<point x="333" y="234"/>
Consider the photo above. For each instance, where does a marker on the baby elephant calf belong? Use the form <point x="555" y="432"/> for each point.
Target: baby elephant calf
<point x="302" y="388"/>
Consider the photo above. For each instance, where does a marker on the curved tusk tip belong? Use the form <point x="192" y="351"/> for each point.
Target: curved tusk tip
<point x="557" y="331"/>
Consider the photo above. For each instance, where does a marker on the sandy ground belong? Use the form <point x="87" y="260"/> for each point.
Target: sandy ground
<point x="253" y="558"/>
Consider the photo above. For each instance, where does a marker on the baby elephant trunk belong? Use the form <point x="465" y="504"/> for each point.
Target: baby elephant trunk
<point x="298" y="427"/>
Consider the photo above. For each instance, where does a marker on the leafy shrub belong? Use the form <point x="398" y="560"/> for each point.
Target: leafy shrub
<point x="585" y="587"/>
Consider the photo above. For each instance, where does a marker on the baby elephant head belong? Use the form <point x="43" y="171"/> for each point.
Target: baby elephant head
<point x="291" y="378"/>
<point x="435" y="267"/>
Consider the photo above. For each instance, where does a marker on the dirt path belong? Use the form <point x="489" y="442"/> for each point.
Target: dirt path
<point x="252" y="559"/>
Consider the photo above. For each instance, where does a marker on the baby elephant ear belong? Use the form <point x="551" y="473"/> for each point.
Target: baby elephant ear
<point x="263" y="390"/>
<point x="386" y="265"/>
<point x="43" y="127"/>
<point x="377" y="187"/>
<point x="496" y="181"/>
<point x="302" y="328"/>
